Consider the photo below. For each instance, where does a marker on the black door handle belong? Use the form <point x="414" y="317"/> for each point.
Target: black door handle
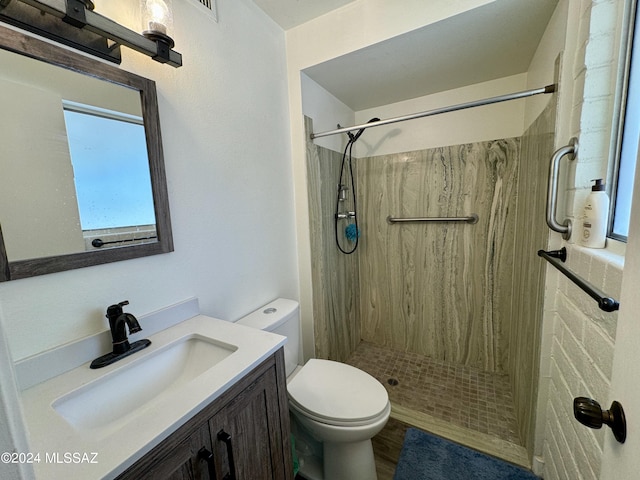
<point x="588" y="412"/>
<point x="226" y="438"/>
<point x="207" y="456"/>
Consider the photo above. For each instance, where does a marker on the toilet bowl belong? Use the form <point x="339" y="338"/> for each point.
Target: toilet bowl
<point x="337" y="405"/>
<point x="343" y="408"/>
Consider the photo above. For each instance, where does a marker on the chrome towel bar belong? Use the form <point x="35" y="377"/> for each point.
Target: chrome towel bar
<point x="555" y="258"/>
<point x="571" y="151"/>
<point x="473" y="218"/>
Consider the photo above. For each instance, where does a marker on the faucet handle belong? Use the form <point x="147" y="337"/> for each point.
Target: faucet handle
<point x="116" y="310"/>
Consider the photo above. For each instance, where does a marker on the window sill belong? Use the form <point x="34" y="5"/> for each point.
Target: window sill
<point x="613" y="253"/>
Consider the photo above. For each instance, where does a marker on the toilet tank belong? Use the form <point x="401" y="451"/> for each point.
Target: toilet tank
<point x="282" y="316"/>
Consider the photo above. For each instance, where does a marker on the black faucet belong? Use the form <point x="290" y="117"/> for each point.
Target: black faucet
<point x="117" y="321"/>
<point x="121" y="346"/>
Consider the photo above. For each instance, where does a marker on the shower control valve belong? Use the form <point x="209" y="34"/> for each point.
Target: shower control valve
<point x="342" y="192"/>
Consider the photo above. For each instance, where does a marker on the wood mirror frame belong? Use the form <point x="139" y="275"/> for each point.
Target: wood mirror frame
<point x="19" y="43"/>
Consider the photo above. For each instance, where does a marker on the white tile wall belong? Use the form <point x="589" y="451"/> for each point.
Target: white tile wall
<point x="580" y="364"/>
<point x="582" y="343"/>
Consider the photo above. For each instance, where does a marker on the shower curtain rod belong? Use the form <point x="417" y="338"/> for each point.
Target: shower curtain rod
<point x="437" y="111"/>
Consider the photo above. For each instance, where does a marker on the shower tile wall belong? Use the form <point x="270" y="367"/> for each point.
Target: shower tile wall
<point x="441" y="290"/>
<point x="334" y="275"/>
<point x="522" y="336"/>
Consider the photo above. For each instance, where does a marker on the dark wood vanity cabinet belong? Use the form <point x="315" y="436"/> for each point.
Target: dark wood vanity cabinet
<point x="242" y="435"/>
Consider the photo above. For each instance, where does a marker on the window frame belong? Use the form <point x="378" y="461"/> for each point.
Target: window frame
<point x="630" y="38"/>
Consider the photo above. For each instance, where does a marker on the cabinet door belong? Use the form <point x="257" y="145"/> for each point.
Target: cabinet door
<point x="175" y="459"/>
<point x="247" y="435"/>
<point x="251" y="417"/>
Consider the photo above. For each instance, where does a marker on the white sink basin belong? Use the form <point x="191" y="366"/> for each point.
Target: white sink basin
<point x="120" y="393"/>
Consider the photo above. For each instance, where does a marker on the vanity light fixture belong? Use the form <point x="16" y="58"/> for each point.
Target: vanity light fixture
<point x="157" y="19"/>
<point x="76" y="24"/>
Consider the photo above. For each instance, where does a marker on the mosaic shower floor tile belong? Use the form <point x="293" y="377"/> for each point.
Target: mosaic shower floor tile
<point x="465" y="397"/>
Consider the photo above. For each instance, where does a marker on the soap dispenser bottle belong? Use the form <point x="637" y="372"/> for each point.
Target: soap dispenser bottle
<point x="594" y="220"/>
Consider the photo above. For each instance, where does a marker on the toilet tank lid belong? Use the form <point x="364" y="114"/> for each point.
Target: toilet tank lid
<point x="271" y="315"/>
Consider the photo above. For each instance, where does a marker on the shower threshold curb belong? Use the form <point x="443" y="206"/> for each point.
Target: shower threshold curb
<point x="482" y="442"/>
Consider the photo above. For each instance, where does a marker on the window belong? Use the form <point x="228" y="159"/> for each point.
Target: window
<point x="106" y="197"/>
<point x="629" y="145"/>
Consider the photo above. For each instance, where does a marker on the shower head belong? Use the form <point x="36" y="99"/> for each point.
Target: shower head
<point x="357" y="135"/>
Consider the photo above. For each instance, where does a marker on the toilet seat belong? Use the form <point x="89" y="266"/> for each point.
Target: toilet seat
<point x="337" y="394"/>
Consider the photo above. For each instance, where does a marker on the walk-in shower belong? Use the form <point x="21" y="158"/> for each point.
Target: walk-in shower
<point x="438" y="311"/>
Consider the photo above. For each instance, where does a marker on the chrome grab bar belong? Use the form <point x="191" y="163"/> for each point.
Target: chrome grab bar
<point x="571" y="151"/>
<point x="473" y="218"/>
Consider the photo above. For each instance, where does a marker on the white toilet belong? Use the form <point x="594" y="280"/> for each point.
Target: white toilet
<point x="338" y="405"/>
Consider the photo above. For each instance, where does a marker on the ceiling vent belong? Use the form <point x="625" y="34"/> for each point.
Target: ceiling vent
<point x="212" y="6"/>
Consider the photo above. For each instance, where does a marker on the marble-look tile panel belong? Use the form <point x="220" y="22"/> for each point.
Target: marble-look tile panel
<point x="334" y="274"/>
<point x="436" y="289"/>
<point x="522" y="340"/>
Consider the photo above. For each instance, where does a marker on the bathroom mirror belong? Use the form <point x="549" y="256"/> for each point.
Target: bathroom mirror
<point x="83" y="180"/>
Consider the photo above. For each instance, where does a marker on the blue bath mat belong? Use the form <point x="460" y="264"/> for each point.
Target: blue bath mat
<point x="427" y="457"/>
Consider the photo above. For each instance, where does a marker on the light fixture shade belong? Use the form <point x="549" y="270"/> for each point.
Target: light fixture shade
<point x="157" y="17"/>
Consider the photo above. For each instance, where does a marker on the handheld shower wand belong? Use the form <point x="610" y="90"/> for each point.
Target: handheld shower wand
<point x="351" y="232"/>
<point x="357" y="135"/>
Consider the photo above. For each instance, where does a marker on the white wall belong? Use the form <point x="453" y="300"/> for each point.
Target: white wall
<point x="503" y="120"/>
<point x="542" y="67"/>
<point x="225" y="125"/>
<point x="327" y="112"/>
<point x="45" y="166"/>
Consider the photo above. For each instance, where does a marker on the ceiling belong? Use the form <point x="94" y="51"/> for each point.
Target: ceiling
<point x="492" y="41"/>
<point x="291" y="13"/>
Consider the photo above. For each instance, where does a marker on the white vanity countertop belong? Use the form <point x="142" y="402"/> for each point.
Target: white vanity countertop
<point x="64" y="451"/>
